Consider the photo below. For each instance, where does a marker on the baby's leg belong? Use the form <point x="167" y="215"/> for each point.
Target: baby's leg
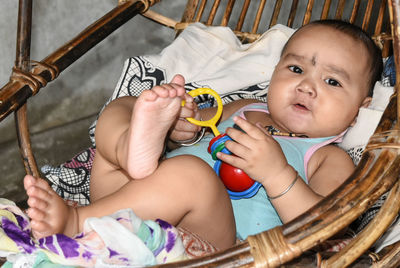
<point x="130" y="133"/>
<point x="183" y="191"/>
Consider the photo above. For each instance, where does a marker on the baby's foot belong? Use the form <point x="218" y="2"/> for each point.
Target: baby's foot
<point x="48" y="212"/>
<point x="154" y="113"/>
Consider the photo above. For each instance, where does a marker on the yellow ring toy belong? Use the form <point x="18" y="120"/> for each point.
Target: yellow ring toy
<point x="211" y="123"/>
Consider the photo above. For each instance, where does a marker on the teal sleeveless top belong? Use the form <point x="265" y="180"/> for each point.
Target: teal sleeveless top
<point x="256" y="214"/>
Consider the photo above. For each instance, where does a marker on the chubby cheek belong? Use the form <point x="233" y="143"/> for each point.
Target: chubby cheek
<point x="337" y="118"/>
<point x="278" y="90"/>
<point x="275" y="100"/>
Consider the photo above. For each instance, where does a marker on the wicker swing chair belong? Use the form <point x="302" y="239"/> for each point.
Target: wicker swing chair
<point x="288" y="245"/>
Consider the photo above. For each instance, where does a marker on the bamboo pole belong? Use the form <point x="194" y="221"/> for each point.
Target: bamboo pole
<point x="367" y="15"/>
<point x="242" y="15"/>
<point x="23" y="47"/>
<point x="292" y="13"/>
<point x="227" y="13"/>
<point x="257" y="19"/>
<point x="354" y="11"/>
<point x="14" y="94"/>
<point x="394" y="12"/>
<point x="340" y="9"/>
<point x="325" y="10"/>
<point x="369" y="234"/>
<point x="275" y="15"/>
<point x="307" y="15"/>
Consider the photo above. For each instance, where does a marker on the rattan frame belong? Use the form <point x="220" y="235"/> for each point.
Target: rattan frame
<point x="377" y="172"/>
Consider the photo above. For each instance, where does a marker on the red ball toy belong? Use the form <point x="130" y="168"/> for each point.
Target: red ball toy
<point x="234" y="178"/>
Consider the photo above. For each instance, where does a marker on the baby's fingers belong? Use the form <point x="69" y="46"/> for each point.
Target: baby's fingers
<point x="263" y="129"/>
<point x="184" y="125"/>
<point x="182" y="135"/>
<point x="189" y="110"/>
<point x="189" y="99"/>
<point x="232" y="160"/>
<point x="249" y="128"/>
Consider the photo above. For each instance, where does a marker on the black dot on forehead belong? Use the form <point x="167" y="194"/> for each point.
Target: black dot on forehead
<point x="314" y="60"/>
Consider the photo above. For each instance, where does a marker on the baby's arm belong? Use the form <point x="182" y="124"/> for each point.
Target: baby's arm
<point x="261" y="157"/>
<point x="328" y="168"/>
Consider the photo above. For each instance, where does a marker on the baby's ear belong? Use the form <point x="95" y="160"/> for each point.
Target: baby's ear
<point x="366" y="102"/>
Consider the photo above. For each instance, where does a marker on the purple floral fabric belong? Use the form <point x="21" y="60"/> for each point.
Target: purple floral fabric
<point x="121" y="239"/>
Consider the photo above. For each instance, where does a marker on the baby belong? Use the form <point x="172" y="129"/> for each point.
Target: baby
<point x="325" y="74"/>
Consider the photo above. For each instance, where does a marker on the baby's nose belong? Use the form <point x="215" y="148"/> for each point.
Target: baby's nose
<point x="307" y="86"/>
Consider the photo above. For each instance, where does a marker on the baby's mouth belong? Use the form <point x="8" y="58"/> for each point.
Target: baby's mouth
<point x="301" y="107"/>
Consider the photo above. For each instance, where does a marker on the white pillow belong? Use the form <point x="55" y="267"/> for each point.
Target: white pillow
<point x="381" y="96"/>
<point x="368" y="119"/>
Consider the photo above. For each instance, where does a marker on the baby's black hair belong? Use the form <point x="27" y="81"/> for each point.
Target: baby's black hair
<point x="374" y="53"/>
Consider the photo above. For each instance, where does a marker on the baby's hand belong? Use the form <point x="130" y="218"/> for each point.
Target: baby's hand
<point x="183" y="129"/>
<point x="254" y="151"/>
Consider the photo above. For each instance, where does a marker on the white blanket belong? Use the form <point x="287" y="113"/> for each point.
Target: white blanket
<point x="214" y="56"/>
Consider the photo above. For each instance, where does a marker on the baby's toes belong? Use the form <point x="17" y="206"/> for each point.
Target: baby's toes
<point x="40" y="229"/>
<point x="163" y="91"/>
<point x="38" y="193"/>
<point x="35" y="214"/>
<point x="149" y="95"/>
<point x="29" y="181"/>
<point x="37" y="203"/>
<point x="41" y="183"/>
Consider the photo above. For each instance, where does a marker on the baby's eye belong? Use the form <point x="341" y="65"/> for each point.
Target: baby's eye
<point x="332" y="82"/>
<point x="295" y="69"/>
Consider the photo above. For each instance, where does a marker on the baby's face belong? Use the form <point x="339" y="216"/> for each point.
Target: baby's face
<point x="319" y="83"/>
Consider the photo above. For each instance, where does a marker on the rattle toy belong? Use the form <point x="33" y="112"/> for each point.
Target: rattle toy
<point x="237" y="182"/>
